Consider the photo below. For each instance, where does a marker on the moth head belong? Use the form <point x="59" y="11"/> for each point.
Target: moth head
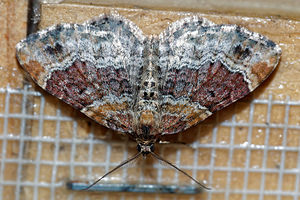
<point x="145" y="148"/>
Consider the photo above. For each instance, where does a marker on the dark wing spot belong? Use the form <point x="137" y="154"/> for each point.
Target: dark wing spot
<point x="237" y="49"/>
<point x="58" y="47"/>
<point x="245" y="53"/>
<point x="211" y="93"/>
<point x="49" y="50"/>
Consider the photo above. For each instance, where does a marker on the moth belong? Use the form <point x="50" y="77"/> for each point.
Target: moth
<point x="148" y="86"/>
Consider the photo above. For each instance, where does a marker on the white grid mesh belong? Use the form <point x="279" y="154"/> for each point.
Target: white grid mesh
<point x="23" y="138"/>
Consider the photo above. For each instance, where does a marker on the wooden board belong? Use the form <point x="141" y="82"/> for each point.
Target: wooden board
<point x="283" y="85"/>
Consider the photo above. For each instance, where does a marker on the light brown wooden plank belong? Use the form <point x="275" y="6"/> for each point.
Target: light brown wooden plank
<point x="13" y="17"/>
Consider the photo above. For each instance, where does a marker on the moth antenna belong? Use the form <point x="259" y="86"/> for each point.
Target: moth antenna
<point x="180" y="170"/>
<point x="114" y="169"/>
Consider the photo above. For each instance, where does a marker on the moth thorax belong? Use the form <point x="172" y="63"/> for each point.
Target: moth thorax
<point x="147" y="124"/>
<point x="147" y="118"/>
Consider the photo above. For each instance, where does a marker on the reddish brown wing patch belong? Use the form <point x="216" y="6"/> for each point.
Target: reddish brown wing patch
<point x="89" y="66"/>
<point x="209" y="67"/>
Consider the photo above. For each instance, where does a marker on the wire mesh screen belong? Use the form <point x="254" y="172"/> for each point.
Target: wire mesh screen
<point x="47" y="143"/>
